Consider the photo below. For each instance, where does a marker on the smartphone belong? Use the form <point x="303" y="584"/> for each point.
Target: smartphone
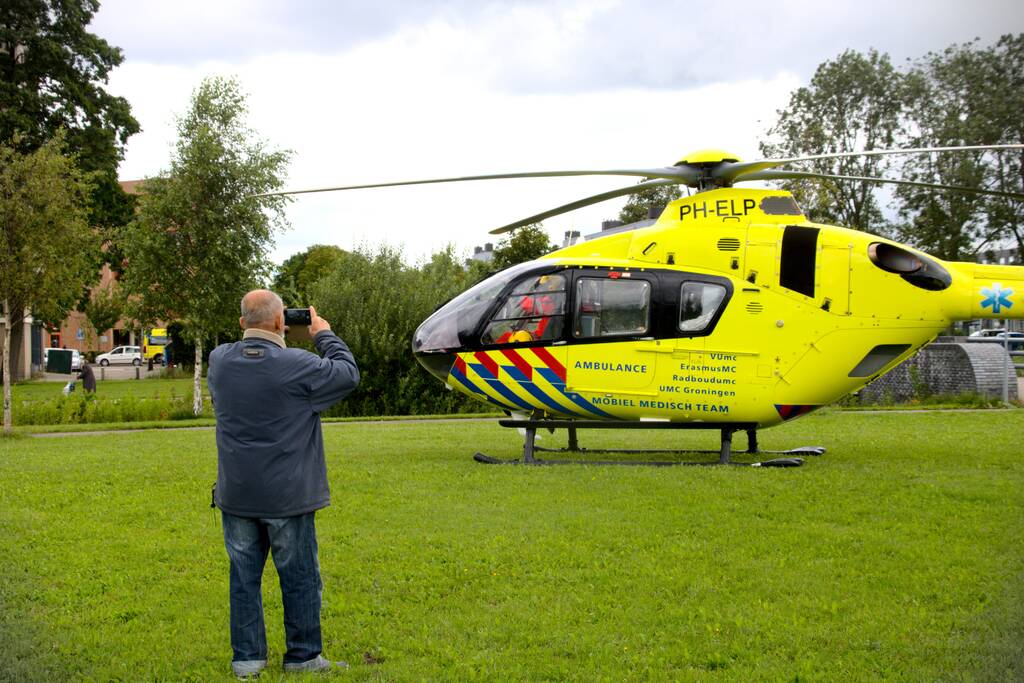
<point x="297" y="316"/>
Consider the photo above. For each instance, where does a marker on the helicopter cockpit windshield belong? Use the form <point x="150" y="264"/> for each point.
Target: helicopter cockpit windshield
<point x="451" y="326"/>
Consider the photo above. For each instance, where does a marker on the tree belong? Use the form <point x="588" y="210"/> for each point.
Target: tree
<point x="46" y="245"/>
<point x="477" y="271"/>
<point x="200" y="238"/>
<point x="1001" y="109"/>
<point x="103" y="307"/>
<point x="853" y="103"/>
<point x="525" y="244"/>
<point x="943" y="95"/>
<point x="52" y="73"/>
<point x="300" y="272"/>
<point x="966" y="95"/>
<point x="963" y="95"/>
<point x="375" y="302"/>
<point x="639" y="204"/>
<point x="939" y="95"/>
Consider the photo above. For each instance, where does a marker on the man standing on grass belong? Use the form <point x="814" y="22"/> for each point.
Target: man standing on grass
<point x="272" y="476"/>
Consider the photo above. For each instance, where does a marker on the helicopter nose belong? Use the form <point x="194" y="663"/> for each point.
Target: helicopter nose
<point x="437" y="364"/>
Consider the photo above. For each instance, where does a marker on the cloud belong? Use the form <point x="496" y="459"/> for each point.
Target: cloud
<point x="667" y="44"/>
<point x="565" y="45"/>
<point x="197" y="31"/>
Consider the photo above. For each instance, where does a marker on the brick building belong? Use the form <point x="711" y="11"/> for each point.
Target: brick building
<point x="75" y="332"/>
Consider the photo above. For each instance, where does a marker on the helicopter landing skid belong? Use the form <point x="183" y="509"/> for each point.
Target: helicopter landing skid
<point x="802" y="450"/>
<point x="724" y="453"/>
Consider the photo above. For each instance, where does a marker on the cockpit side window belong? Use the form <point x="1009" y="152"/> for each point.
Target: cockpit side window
<point x="699" y="302"/>
<point x="533" y="311"/>
<point x="612" y="307"/>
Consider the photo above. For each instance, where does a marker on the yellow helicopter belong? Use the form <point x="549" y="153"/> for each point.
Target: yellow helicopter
<point x="732" y="311"/>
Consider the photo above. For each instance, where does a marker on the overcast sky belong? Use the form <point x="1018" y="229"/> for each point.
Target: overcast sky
<point x="403" y="89"/>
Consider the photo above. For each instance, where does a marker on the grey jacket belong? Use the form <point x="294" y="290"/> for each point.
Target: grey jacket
<point x="268" y="400"/>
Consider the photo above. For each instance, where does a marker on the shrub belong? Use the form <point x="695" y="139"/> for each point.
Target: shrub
<point x="84" y="408"/>
<point x="376" y="301"/>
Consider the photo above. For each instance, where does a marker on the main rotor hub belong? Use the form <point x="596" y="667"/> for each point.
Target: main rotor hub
<point x="706" y="161"/>
<point x="704" y="157"/>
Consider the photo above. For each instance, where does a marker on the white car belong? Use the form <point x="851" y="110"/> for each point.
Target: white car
<point x="1015" y="341"/>
<point x="120" y="355"/>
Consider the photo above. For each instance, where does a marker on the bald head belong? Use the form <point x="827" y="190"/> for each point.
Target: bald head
<point x="262" y="309"/>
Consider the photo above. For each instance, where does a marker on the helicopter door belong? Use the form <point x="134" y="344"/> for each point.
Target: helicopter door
<point x="834" y="274"/>
<point x="611" y="326"/>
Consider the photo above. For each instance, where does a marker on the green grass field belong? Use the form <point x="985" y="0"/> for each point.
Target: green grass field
<point x="896" y="556"/>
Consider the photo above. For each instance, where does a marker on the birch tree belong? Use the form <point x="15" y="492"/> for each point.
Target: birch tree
<point x="200" y="238"/>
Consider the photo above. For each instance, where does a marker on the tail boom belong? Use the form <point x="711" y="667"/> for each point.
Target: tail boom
<point x="989" y="291"/>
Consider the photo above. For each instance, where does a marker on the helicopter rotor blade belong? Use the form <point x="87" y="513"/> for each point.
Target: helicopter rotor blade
<point x="732" y="171"/>
<point x="580" y="203"/>
<point x="796" y="175"/>
<point x="678" y="175"/>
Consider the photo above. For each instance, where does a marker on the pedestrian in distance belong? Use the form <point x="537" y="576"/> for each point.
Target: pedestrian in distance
<point x="272" y="475"/>
<point x="88" y="378"/>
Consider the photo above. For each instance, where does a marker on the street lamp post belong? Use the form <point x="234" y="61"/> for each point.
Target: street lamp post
<point x="1009" y="364"/>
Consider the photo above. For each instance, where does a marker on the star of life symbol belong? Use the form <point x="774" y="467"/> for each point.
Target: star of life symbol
<point x="996" y="297"/>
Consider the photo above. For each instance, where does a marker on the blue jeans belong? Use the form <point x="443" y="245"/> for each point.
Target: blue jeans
<point x="292" y="543"/>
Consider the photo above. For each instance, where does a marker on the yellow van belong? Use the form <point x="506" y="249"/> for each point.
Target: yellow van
<point x="154" y="343"/>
